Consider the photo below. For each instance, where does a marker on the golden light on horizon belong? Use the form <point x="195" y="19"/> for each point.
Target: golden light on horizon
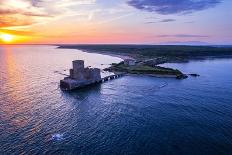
<point x="6" y="38"/>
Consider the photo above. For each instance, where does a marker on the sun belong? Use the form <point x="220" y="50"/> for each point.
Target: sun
<point x="7" y="37"/>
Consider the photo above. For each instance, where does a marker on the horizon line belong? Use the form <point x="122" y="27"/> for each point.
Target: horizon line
<point x="55" y="44"/>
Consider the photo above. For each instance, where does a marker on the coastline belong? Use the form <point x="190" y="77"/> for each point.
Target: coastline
<point x="162" y="53"/>
<point x="140" y="58"/>
<point x="153" y="75"/>
<point x="123" y="57"/>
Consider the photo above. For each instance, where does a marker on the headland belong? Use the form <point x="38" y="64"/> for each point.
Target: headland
<point x="145" y="59"/>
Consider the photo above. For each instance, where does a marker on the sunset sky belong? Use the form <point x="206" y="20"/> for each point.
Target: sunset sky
<point x="116" y="21"/>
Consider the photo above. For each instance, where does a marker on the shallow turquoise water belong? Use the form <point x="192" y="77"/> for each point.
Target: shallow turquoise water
<point x="130" y="115"/>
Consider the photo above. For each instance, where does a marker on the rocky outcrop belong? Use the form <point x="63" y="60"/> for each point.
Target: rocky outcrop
<point x="182" y="76"/>
<point x="194" y="75"/>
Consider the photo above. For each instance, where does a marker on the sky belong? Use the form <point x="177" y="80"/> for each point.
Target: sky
<point x="116" y="21"/>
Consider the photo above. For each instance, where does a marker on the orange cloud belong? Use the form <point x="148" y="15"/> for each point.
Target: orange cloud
<point x="27" y="12"/>
<point x="20" y="13"/>
<point x="15" y="20"/>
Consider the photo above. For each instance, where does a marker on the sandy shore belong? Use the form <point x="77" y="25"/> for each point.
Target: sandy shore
<point x="109" y="54"/>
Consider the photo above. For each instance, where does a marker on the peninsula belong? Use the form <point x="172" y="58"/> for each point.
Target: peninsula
<point x="145" y="59"/>
<point x="131" y="66"/>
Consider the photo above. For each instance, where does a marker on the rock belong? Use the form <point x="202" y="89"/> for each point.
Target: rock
<point x="182" y="76"/>
<point x="194" y="75"/>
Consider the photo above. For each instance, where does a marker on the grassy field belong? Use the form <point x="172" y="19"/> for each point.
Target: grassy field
<point x="143" y="69"/>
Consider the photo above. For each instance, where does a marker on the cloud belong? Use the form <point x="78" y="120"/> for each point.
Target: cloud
<point x="189" y="22"/>
<point x="167" y="20"/>
<point x="183" y="36"/>
<point x="166" y="7"/>
<point x="162" y="21"/>
<point x="14" y="20"/>
<point x="28" y="12"/>
<point x="193" y="43"/>
<point x="23" y="7"/>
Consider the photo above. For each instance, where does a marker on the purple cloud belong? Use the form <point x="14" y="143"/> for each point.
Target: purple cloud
<point x="167" y="20"/>
<point x="184" y="36"/>
<point x="165" y="7"/>
<point x="161" y="21"/>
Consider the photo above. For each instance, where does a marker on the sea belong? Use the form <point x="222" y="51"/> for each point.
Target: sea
<point x="132" y="115"/>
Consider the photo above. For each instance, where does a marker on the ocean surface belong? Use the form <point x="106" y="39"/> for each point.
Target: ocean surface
<point x="134" y="115"/>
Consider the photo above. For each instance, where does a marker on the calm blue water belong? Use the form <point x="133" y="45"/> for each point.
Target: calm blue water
<point x="130" y="115"/>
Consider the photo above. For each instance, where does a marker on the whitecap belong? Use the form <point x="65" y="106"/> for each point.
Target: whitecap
<point x="57" y="137"/>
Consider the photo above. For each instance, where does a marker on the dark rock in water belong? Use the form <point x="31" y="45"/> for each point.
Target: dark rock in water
<point x="195" y="75"/>
<point x="182" y="76"/>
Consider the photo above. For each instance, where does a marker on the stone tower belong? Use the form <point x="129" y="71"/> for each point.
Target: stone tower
<point x="78" y="70"/>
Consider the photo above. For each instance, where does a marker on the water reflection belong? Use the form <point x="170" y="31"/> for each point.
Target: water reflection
<point x="15" y="108"/>
<point x="139" y="115"/>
